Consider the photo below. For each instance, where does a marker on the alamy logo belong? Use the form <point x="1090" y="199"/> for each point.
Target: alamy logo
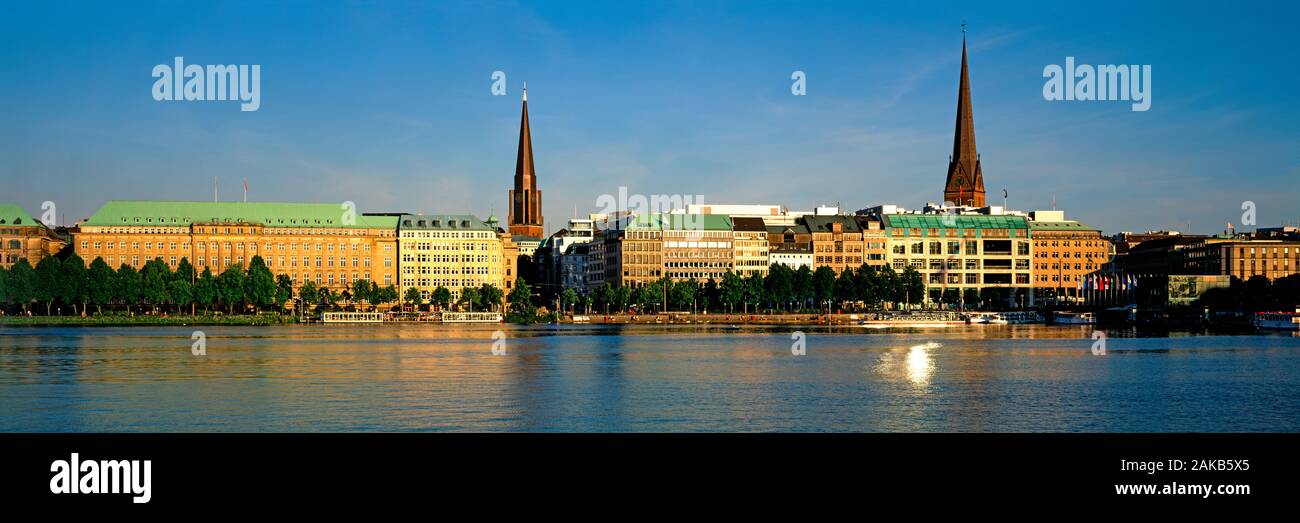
<point x="206" y="83"/>
<point x="102" y="477"/>
<point x="1103" y="82"/>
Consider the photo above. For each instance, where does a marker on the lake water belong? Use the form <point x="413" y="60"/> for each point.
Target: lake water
<point x="644" y="378"/>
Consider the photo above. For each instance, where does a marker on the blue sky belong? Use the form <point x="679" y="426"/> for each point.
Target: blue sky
<point x="390" y="105"/>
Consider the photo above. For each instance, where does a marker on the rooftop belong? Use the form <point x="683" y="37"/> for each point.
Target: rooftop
<point x="269" y="214"/>
<point x="11" y="214"/>
<point x="935" y="221"/>
<point x="442" y="222"/>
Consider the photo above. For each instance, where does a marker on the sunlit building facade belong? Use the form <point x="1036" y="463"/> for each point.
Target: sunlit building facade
<point x="24" y="238"/>
<point x="325" y="243"/>
<point x="451" y="251"/>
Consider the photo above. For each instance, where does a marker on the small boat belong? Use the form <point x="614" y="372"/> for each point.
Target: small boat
<point x="1075" y="318"/>
<point x="1023" y="317"/>
<point x="352" y="317"/>
<point x="988" y="318"/>
<point x="1289" y="321"/>
<point x="914" y="320"/>
<point x="471" y="317"/>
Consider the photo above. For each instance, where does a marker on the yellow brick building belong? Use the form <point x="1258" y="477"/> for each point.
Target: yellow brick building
<point x="326" y="243"/>
<point x="453" y="251"/>
<point x="22" y="237"/>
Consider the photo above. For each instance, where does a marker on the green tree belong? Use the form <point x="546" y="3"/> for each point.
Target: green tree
<point x="684" y="294"/>
<point x="490" y="296"/>
<point x="4" y="289"/>
<point x="779" y="284"/>
<point x="468" y="298"/>
<point x="183" y="286"/>
<point x="413" y="298"/>
<point x="845" y="287"/>
<point x="153" y="279"/>
<point x="308" y="293"/>
<point x="49" y="282"/>
<point x="867" y="284"/>
<point x="709" y="294"/>
<point x="361" y="291"/>
<point x="76" y="287"/>
<point x="823" y="285"/>
<point x="259" y="284"/>
<point x="568" y="298"/>
<point x="645" y="296"/>
<point x="732" y="290"/>
<point x="913" y="286"/>
<point x="283" y="290"/>
<point x="127" y="286"/>
<point x="441" y="297"/>
<point x="181" y="292"/>
<point x="388" y="294"/>
<point x="521" y="299"/>
<point x="230" y="287"/>
<point x="603" y="297"/>
<point x="205" y="290"/>
<point x="804" y="291"/>
<point x="889" y="285"/>
<point x="21" y="284"/>
<point x="621" y="298"/>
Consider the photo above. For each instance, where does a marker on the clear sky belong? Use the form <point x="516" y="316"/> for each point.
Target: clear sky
<point x="390" y="106"/>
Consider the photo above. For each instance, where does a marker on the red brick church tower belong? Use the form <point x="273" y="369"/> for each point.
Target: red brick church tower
<point x="525" y="199"/>
<point x="965" y="184"/>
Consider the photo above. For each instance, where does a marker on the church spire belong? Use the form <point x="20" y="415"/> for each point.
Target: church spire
<point x="965" y="184"/>
<point x="525" y="200"/>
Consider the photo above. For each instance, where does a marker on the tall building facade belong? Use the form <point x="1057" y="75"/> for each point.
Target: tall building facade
<point x="525" y="219"/>
<point x="451" y="251"/>
<point x="1065" y="252"/>
<point x="964" y="255"/>
<point x="837" y="241"/>
<point x="749" y="243"/>
<point x="323" y="243"/>
<point x="24" y="238"/>
<point x="697" y="246"/>
<point x="965" y="183"/>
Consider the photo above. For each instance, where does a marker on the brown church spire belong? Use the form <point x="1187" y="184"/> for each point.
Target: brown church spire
<point x="965" y="185"/>
<point x="525" y="200"/>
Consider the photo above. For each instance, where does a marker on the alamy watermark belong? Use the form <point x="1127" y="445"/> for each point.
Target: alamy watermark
<point x="1103" y="82"/>
<point x="672" y="209"/>
<point x="180" y="82"/>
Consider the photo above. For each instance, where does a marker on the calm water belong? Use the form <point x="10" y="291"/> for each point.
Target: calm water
<point x="592" y="378"/>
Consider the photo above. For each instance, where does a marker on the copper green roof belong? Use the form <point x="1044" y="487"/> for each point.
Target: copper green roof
<point x="442" y="222"/>
<point x="934" y="221"/>
<point x="680" y="222"/>
<point x="11" y="214"/>
<point x="269" y="214"/>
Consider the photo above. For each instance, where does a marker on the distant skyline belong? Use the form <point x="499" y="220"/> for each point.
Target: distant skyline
<point x="391" y="106"/>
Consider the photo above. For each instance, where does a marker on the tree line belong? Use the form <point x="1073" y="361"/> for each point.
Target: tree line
<point x="782" y="290"/>
<point x="55" y="284"/>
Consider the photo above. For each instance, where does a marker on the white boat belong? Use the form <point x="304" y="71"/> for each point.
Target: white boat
<point x="1075" y="318"/>
<point x="1023" y="317"/>
<point x="581" y="319"/>
<point x="913" y="320"/>
<point x="471" y="317"/>
<point x="1289" y="321"/>
<point x="352" y="317"/>
<point x="988" y="318"/>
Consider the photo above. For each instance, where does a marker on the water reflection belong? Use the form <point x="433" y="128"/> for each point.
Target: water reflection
<point x="663" y="378"/>
<point x="919" y="363"/>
